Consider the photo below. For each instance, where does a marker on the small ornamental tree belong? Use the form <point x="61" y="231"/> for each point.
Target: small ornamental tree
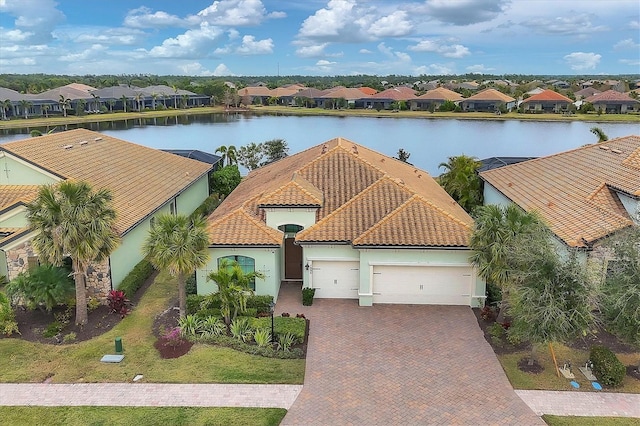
<point x="233" y="288"/>
<point x="551" y="299"/>
<point x="462" y="182"/>
<point x="224" y="181"/>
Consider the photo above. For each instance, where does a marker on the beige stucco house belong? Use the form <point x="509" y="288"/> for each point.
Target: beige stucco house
<point x="143" y="181"/>
<point x="351" y="223"/>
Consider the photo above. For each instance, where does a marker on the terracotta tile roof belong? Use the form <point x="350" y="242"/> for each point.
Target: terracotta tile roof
<point x="285" y="91"/>
<point x="414" y="223"/>
<point x="10" y="195"/>
<point x="548" y="96"/>
<point x="490" y="95"/>
<point x="367" y="90"/>
<point x="400" y="93"/>
<point x="255" y="91"/>
<point x="346" y="93"/>
<point x="297" y="192"/>
<point x="247" y="230"/>
<point x="574" y="191"/>
<point x="441" y="94"/>
<point x="609" y="96"/>
<point x="360" y="188"/>
<point x="141" y="179"/>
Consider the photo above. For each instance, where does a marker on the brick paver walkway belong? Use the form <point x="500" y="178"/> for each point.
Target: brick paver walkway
<point x="567" y="403"/>
<point x="149" y="395"/>
<point x="399" y="365"/>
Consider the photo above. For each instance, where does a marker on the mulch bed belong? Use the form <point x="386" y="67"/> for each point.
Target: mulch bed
<point x="535" y="368"/>
<point x="32" y="323"/>
<point x="164" y="322"/>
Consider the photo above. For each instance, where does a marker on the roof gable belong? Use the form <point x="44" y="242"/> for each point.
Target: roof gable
<point x="548" y="96"/>
<point x="10" y="195"/>
<point x="490" y="95"/>
<point x="239" y="229"/>
<point x="297" y="192"/>
<point x="417" y="223"/>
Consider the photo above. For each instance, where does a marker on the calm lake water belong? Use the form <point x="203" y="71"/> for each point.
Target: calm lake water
<point x="430" y="141"/>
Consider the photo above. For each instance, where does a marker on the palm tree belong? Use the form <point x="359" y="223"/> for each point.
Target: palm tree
<point x="175" y="97"/>
<point x="96" y="102"/>
<point x="602" y="137"/>
<point x="111" y="103"/>
<point x="228" y="154"/>
<point x="178" y="244"/>
<point x="73" y="220"/>
<point x="25" y="105"/>
<point x="64" y="104"/>
<point x="461" y="181"/>
<point x="496" y="232"/>
<point x="45" y="109"/>
<point x="154" y="98"/>
<point x="185" y="100"/>
<point x="6" y="104"/>
<point x="233" y="287"/>
<point x="124" y="100"/>
<point x="139" y="98"/>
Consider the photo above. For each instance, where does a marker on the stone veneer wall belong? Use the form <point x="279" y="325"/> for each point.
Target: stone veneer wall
<point x="98" y="277"/>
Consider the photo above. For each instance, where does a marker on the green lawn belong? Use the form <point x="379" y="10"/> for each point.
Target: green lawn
<point x="589" y="421"/>
<point x="22" y="361"/>
<point x="549" y="381"/>
<point x="141" y="416"/>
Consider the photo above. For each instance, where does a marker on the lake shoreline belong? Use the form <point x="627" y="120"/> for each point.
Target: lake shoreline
<point x="40" y="122"/>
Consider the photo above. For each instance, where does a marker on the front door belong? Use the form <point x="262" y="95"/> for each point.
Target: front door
<point x="292" y="260"/>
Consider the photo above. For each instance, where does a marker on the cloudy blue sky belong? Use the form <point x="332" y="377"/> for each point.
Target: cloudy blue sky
<point x="312" y="37"/>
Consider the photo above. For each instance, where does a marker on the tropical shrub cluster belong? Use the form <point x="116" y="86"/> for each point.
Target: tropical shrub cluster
<point x="307" y="296"/>
<point x="8" y="324"/>
<point x="43" y="286"/>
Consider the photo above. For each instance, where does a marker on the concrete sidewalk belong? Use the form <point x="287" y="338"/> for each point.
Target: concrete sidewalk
<point x="588" y="404"/>
<point x="149" y="395"/>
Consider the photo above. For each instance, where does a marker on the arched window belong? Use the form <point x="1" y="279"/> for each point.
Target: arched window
<point x="248" y="265"/>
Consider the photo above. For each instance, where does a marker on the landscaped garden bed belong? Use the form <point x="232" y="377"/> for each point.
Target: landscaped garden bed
<point x="543" y="376"/>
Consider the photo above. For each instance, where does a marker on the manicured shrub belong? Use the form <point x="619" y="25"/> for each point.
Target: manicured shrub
<point x="241" y="329"/>
<point x="189" y="325"/>
<point x="606" y="366"/>
<point x="249" y="312"/>
<point x="261" y="303"/>
<point x="307" y="296"/>
<point x="262" y="336"/>
<point x="206" y="313"/>
<point x="268" y="351"/>
<point x="285" y="341"/>
<point x="295" y="326"/>
<point x="212" y="326"/>
<point x="207" y="207"/>
<point x="194" y="302"/>
<point x="190" y="285"/>
<point x="136" y="278"/>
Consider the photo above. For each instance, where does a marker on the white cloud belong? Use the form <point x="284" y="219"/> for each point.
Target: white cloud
<point x="222" y="70"/>
<point x="365" y="51"/>
<point x="626" y="44"/>
<point x="14" y="36"/>
<point x="439" y="46"/>
<point x="394" y="25"/>
<point x="277" y="15"/>
<point x="479" y="69"/>
<point x="632" y="62"/>
<point x="17" y="62"/>
<point x="634" y="25"/>
<point x="234" y="13"/>
<point x="435" y="69"/>
<point x="38" y="17"/>
<point x="101" y="35"/>
<point x="252" y="47"/>
<point x="143" y="17"/>
<point x="465" y="12"/>
<point x="311" y="51"/>
<point x="579" y="24"/>
<point x="340" y="21"/>
<point x="324" y="65"/>
<point x="193" y="43"/>
<point x="96" y="51"/>
<point x="581" y="61"/>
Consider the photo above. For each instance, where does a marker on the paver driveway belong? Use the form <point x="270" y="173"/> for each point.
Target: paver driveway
<point x="399" y="365"/>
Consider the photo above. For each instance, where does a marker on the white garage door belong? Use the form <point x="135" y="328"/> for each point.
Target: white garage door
<point x="334" y="279"/>
<point x="433" y="285"/>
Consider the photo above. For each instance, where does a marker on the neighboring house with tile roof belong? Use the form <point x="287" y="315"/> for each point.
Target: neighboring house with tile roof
<point x="586" y="92"/>
<point x="488" y="100"/>
<point x="386" y="98"/>
<point x="584" y="195"/>
<point x="143" y="181"/>
<point x="433" y="99"/>
<point x="546" y="101"/>
<point x="613" y="102"/>
<point x="351" y="223"/>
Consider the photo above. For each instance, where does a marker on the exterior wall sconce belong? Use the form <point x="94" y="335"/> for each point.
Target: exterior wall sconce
<point x="306" y="266"/>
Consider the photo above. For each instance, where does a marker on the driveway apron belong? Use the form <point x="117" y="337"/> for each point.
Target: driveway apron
<point x="399" y="365"/>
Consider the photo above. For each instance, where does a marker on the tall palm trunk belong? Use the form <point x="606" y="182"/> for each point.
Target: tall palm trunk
<point x="81" y="293"/>
<point x="182" y="295"/>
